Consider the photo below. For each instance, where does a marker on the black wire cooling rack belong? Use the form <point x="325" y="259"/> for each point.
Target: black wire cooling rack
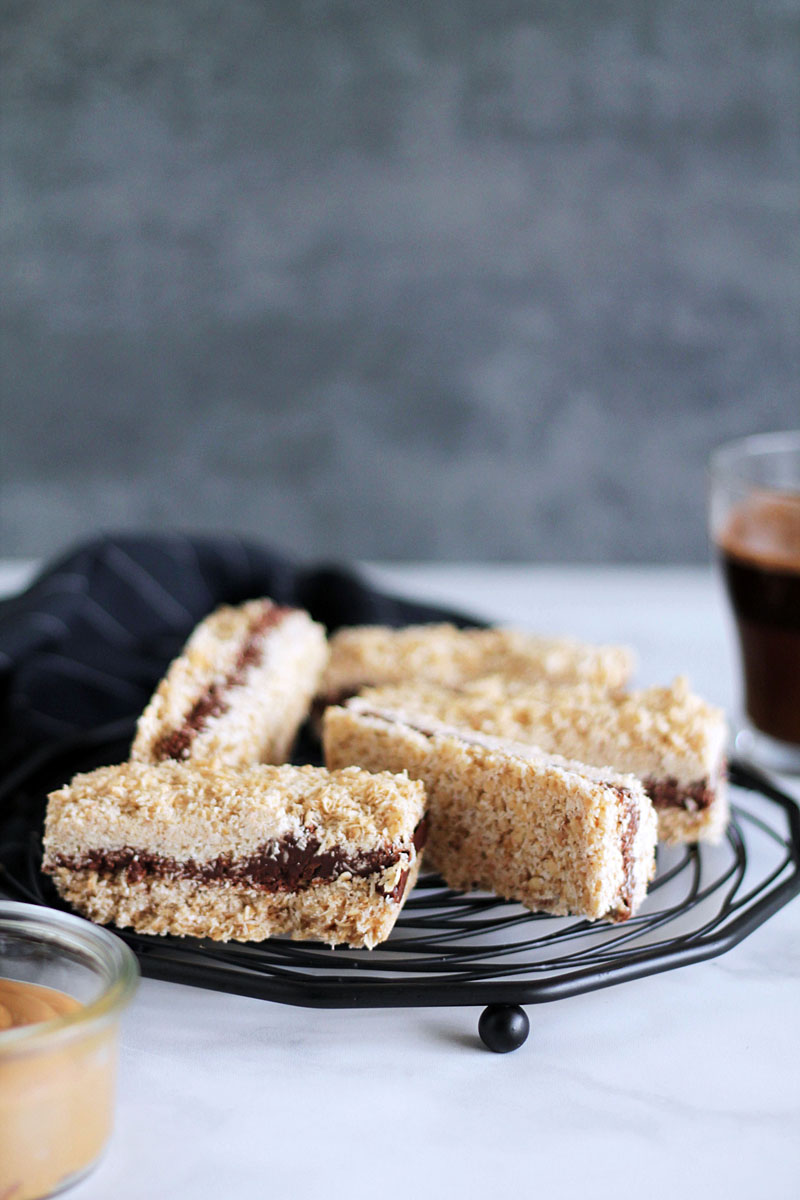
<point x="452" y="948"/>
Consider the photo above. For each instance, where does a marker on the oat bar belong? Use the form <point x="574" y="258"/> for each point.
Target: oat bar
<point x="557" y="836"/>
<point x="240" y="854"/>
<point x="370" y="655"/>
<point x="239" y="691"/>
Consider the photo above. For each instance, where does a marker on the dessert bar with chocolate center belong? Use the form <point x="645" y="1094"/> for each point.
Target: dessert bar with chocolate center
<point x="238" y="853"/>
<point x="556" y="835"/>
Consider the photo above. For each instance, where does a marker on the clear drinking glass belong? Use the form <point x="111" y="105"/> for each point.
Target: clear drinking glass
<point x="57" y="1073"/>
<point x="755" y="528"/>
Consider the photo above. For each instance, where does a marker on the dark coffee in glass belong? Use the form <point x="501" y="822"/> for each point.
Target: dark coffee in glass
<point x="755" y="510"/>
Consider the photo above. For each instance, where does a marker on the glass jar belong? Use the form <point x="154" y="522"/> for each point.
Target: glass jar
<point x="755" y="526"/>
<point x="58" y="1072"/>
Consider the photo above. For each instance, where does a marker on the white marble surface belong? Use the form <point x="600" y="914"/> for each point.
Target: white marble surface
<point x="683" y="1084"/>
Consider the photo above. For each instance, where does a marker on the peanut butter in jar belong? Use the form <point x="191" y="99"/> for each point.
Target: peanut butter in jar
<point x="55" y="1102"/>
<point x="64" y="984"/>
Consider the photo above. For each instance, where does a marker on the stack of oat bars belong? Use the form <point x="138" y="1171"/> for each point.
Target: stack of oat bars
<point x="521" y="764"/>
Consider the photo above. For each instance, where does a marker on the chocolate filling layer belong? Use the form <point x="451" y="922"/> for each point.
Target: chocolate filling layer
<point x="668" y="793"/>
<point x="214" y="701"/>
<point x="279" y="866"/>
<point x="627" y="891"/>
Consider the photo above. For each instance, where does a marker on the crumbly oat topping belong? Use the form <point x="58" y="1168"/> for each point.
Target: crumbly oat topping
<point x="365" y="655"/>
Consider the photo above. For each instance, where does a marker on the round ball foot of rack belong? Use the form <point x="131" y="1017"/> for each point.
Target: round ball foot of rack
<point x="503" y="1027"/>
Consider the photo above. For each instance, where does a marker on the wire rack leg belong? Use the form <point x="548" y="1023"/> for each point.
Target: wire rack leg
<point x="503" y="1027"/>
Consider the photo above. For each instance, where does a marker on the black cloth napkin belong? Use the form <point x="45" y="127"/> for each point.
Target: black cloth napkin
<point x="86" y="644"/>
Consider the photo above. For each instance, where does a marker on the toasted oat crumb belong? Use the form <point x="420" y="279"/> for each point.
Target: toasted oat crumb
<point x="372" y="655"/>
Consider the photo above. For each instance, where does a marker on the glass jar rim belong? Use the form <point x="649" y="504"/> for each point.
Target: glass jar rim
<point x="113" y="958"/>
<point x="725" y="461"/>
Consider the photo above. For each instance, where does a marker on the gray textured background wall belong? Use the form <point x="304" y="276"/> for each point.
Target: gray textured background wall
<point x="448" y="279"/>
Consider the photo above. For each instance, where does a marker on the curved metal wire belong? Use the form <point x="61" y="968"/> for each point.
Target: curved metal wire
<point x="451" y="948"/>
